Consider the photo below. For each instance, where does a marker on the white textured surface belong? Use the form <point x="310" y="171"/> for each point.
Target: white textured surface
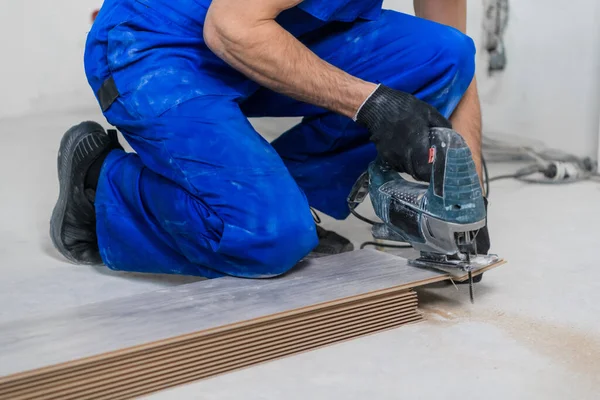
<point x="534" y="331"/>
<point x="129" y="321"/>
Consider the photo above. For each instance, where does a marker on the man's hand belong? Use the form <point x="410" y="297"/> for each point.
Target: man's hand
<point x="399" y="124"/>
<point x="244" y="34"/>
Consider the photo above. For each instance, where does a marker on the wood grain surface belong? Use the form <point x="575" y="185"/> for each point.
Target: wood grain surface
<point x="144" y="369"/>
<point x="140" y="344"/>
<point x="116" y="324"/>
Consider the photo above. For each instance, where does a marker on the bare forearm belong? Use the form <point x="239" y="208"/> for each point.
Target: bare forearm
<point x="467" y="117"/>
<point x="447" y="12"/>
<point x="467" y="121"/>
<point x="260" y="48"/>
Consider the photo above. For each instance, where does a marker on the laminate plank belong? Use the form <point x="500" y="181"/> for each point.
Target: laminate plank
<point x="345" y="307"/>
<point x="127" y="358"/>
<point x="116" y="368"/>
<point x="160" y="381"/>
<point x="167" y="368"/>
<point x="127" y="394"/>
<point x="105" y="327"/>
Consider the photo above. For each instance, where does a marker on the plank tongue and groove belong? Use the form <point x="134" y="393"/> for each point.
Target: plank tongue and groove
<point x="139" y="344"/>
<point x="145" y="318"/>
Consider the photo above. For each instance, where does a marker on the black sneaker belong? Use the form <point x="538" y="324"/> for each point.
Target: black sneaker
<point x="330" y="243"/>
<point x="73" y="223"/>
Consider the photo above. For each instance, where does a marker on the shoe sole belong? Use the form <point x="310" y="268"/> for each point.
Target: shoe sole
<point x="316" y="254"/>
<point x="66" y="153"/>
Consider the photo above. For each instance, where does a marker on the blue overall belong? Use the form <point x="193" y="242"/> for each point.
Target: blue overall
<point x="204" y="194"/>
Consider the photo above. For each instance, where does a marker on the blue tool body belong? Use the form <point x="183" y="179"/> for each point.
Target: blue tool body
<point x="440" y="218"/>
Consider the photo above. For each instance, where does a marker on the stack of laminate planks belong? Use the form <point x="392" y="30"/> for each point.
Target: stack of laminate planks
<point x="128" y="347"/>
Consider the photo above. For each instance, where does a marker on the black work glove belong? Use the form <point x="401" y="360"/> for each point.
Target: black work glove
<point x="399" y="124"/>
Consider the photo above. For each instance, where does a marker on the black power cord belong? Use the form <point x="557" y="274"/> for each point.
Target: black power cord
<point x="391" y="246"/>
<point x="376" y="244"/>
<point x="486" y="177"/>
<point x="364" y="219"/>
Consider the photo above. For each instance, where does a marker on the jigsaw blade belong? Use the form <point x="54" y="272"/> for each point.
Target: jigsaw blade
<point x="440" y="218"/>
<point x="471" y="287"/>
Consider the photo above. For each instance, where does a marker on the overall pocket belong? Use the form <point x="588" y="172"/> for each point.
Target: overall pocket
<point x="154" y="63"/>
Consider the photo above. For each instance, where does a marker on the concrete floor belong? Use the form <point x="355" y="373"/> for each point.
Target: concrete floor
<point x="534" y="331"/>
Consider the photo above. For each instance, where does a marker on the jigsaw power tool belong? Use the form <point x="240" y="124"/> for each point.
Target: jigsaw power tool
<point x="440" y="219"/>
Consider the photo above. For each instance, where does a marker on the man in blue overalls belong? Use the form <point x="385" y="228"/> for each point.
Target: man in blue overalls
<point x="204" y="194"/>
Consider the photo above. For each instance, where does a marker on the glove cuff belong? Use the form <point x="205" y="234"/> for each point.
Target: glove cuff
<point x="355" y="118"/>
<point x="383" y="102"/>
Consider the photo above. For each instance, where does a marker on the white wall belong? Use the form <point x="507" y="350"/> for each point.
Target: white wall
<point x="41" y="44"/>
<point x="550" y="90"/>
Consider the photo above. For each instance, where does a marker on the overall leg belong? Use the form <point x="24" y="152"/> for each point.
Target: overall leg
<point x="204" y="194"/>
<point x="326" y="152"/>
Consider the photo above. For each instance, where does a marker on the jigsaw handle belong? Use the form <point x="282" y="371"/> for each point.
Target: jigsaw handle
<point x="455" y="193"/>
<point x="448" y="149"/>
